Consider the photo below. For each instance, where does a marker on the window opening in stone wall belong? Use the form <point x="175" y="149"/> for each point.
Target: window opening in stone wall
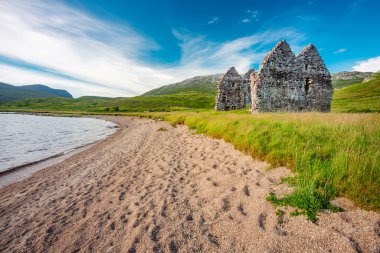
<point x="306" y="66"/>
<point x="308" y="83"/>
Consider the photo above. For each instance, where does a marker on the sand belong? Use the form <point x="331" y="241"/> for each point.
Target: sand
<point x="144" y="190"/>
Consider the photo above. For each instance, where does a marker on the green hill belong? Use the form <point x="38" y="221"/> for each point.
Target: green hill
<point x="47" y="89"/>
<point x="346" y="78"/>
<point x="199" y="84"/>
<point x="9" y="93"/>
<point x="360" y="97"/>
<point x="172" y="102"/>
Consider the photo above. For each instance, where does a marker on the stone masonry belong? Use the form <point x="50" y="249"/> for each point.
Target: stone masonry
<point x="285" y="82"/>
<point x="317" y="80"/>
<point x="230" y="94"/>
<point x="247" y="87"/>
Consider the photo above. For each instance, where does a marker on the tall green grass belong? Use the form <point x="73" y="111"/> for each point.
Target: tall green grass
<point x="331" y="154"/>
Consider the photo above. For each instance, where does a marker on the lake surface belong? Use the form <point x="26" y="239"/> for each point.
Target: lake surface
<point x="29" y="138"/>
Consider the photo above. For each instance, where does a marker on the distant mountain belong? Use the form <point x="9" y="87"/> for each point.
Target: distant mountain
<point x="345" y="78"/>
<point x="201" y="84"/>
<point x="9" y="93"/>
<point x="47" y="89"/>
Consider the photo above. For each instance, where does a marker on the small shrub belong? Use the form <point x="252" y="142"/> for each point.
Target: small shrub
<point x="280" y="213"/>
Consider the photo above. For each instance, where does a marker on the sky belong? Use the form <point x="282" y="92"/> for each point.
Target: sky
<point x="124" y="48"/>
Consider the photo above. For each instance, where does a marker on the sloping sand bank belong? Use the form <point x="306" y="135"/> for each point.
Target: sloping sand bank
<point x="144" y="190"/>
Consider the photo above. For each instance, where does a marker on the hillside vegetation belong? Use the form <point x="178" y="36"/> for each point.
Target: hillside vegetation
<point x="174" y="102"/>
<point x="331" y="154"/>
<point x="200" y="84"/>
<point x="360" y="97"/>
<point x="346" y="78"/>
<point x="47" y="89"/>
<point x="9" y="93"/>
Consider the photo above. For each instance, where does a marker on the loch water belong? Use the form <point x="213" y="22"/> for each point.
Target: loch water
<point x="26" y="139"/>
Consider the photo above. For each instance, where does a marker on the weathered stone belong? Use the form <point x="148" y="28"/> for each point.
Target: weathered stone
<point x="285" y="82"/>
<point x="317" y="80"/>
<point x="278" y="84"/>
<point x="230" y="92"/>
<point x="247" y="87"/>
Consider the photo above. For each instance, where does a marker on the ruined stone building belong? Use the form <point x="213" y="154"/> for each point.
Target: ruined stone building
<point x="247" y="87"/>
<point x="230" y="94"/>
<point x="285" y="82"/>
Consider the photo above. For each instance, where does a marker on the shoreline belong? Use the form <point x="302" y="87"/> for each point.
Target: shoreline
<point x="154" y="187"/>
<point x="23" y="171"/>
<point x="19" y="173"/>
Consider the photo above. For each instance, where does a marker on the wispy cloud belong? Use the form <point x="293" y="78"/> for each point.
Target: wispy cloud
<point x="213" y="20"/>
<point x="64" y="40"/>
<point x="339" y="51"/>
<point x="370" y="65"/>
<point x="253" y="15"/>
<point x="73" y="50"/>
<point x="206" y="57"/>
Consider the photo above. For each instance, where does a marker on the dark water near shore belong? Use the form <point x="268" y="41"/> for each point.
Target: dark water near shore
<point x="29" y="138"/>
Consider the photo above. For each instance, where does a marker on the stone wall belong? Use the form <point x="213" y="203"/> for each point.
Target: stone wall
<point x="230" y="95"/>
<point x="247" y="87"/>
<point x="317" y="80"/>
<point x="285" y="82"/>
<point x="278" y="84"/>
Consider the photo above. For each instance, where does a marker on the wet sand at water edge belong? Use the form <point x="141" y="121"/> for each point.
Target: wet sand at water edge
<point x="144" y="190"/>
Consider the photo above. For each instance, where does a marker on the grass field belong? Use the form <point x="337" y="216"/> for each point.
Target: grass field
<point x="331" y="154"/>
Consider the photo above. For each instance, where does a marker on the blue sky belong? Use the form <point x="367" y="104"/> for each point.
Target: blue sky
<point x="124" y="48"/>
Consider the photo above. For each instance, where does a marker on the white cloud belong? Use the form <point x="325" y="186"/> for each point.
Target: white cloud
<point x="339" y="51"/>
<point x="54" y="36"/>
<point x="253" y="16"/>
<point x="253" y="13"/>
<point x="106" y="59"/>
<point x="213" y="20"/>
<point x="206" y="57"/>
<point x="370" y="65"/>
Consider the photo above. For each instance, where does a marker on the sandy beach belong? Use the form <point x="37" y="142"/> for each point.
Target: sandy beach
<point x="146" y="190"/>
